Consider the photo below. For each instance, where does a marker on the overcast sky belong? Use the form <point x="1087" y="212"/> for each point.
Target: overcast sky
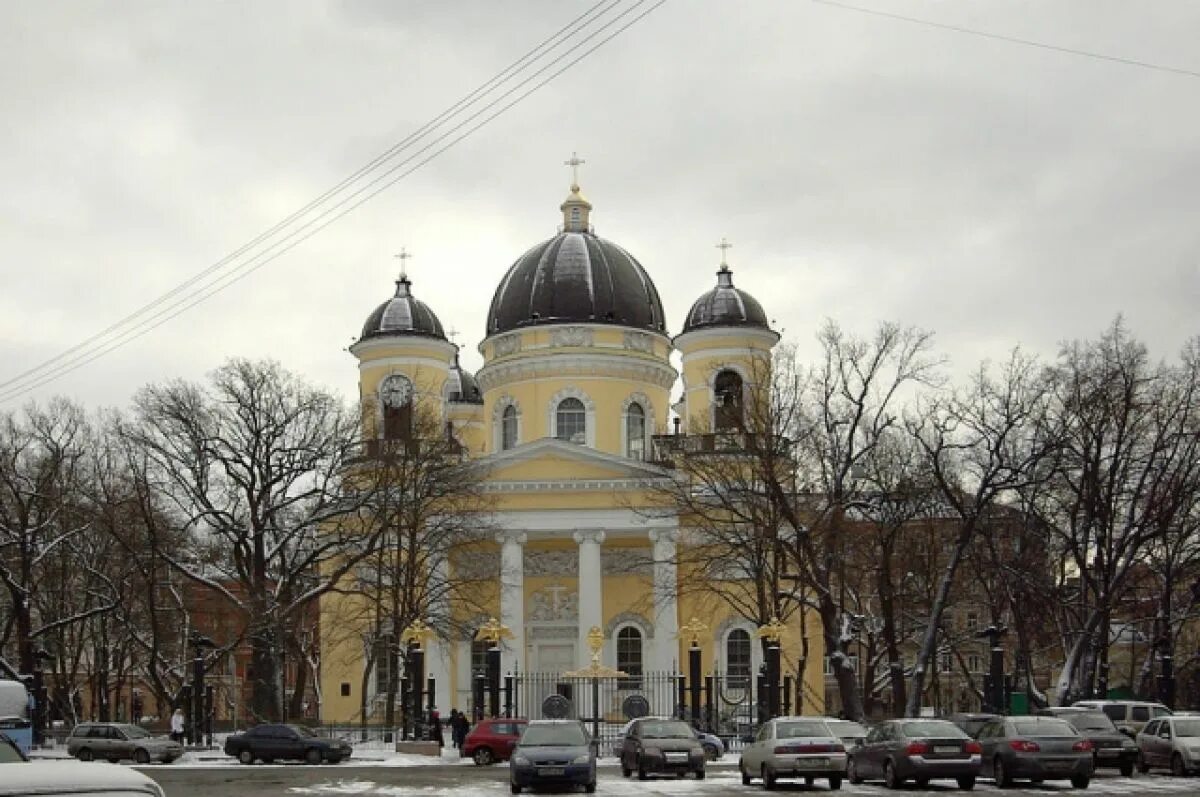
<point x="864" y="168"/>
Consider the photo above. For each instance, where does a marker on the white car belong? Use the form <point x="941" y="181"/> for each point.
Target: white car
<point x="74" y="779"/>
<point x="794" y="747"/>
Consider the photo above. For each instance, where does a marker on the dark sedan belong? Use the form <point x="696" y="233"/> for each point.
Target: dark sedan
<point x="269" y="743"/>
<point x="553" y="753"/>
<point x="667" y="746"/>
<point x="1037" y="748"/>
<point x="916" y="749"/>
<point x="1110" y="747"/>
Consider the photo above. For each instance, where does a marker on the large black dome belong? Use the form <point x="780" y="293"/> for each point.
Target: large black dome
<point x="403" y="314"/>
<point x="725" y="306"/>
<point x="576" y="277"/>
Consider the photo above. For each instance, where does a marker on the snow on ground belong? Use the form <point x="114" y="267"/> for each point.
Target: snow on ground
<point x="714" y="782"/>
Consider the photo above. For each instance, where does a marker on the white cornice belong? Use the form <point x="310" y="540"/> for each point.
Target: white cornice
<point x="571" y="485"/>
<point x="364" y="348"/>
<point x="758" y="334"/>
<point x="577" y="364"/>
<point x="662" y="336"/>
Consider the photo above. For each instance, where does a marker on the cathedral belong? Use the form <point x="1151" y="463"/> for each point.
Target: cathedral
<point x="576" y="393"/>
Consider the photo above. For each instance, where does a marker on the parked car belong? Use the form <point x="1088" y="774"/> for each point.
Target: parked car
<point x="553" y="753"/>
<point x="1130" y="716"/>
<point x="713" y="746"/>
<point x="794" y="747"/>
<point x="851" y="733"/>
<point x="493" y="740"/>
<point x="10" y="751"/>
<point x="113" y="741"/>
<point x="666" y="746"/>
<point x="269" y="743"/>
<point x="970" y="723"/>
<point x="1110" y="747"/>
<point x="1170" y="742"/>
<point x="73" y="779"/>
<point x="1036" y="748"/>
<point x="916" y="749"/>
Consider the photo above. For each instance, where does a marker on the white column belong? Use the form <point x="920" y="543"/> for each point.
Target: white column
<point x="437" y="656"/>
<point x="512" y="598"/>
<point x="666" y="609"/>
<point x="591" y="595"/>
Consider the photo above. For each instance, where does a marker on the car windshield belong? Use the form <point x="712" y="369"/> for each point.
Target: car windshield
<point x="303" y="731"/>
<point x="793" y="730"/>
<point x="134" y="732"/>
<point x="666" y="730"/>
<point x="1093" y="721"/>
<point x="928" y="728"/>
<point x="8" y="753"/>
<point x="1187" y="727"/>
<point x="1044" y="726"/>
<point x="554" y="736"/>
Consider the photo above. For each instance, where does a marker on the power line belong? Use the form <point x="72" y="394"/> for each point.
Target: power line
<point x="1012" y="39"/>
<point x="267" y="256"/>
<point x="450" y="112"/>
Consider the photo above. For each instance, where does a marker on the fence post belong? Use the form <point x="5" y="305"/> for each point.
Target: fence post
<point x="493" y="677"/>
<point x="596" y="713"/>
<point x="694" y="678"/>
<point x="509" y="682"/>
<point x="430" y="707"/>
<point x="708" y="703"/>
<point x="787" y="695"/>
<point x="679" y="711"/>
<point x="773" y="655"/>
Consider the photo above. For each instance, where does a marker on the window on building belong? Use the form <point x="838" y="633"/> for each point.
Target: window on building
<point x="572" y="421"/>
<point x="728" y="390"/>
<point x="635" y="432"/>
<point x="972" y="621"/>
<point x="946" y="663"/>
<point x="508" y="428"/>
<point x="385" y="660"/>
<point x="737" y="658"/>
<point x="974" y="663"/>
<point x="629" y="655"/>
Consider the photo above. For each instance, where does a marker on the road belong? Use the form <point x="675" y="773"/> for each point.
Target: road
<point x="468" y="781"/>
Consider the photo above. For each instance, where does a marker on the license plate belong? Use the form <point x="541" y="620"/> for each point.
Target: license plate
<point x="548" y="771"/>
<point x="811" y="763"/>
<point x="677" y="756"/>
<point x="951" y="748"/>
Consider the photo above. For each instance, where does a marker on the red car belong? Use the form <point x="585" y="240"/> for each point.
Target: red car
<point x="493" y="740"/>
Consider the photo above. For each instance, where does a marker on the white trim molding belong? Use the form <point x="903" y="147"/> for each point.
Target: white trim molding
<point x="648" y="415"/>
<point x="589" y="408"/>
<point x="503" y="403"/>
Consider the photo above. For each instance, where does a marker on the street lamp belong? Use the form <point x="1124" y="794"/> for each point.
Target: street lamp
<point x="492" y="632"/>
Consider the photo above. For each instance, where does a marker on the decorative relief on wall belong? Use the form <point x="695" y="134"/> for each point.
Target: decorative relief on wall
<point x="554" y="632"/>
<point x="554" y="603"/>
<point x="571" y="336"/>
<point x="509" y="344"/>
<point x="638" y="341"/>
<point x="551" y="563"/>
<point x="477" y="565"/>
<point x="626" y="562"/>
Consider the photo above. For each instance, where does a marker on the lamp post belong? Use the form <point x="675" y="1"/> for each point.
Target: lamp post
<point x="196" y="727"/>
<point x="492" y="632"/>
<point x="994" y="692"/>
<point x="694" y="628"/>
<point x="415" y="636"/>
<point x="772" y="632"/>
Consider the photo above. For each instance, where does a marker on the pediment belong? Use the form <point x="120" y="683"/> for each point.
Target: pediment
<point x="553" y="460"/>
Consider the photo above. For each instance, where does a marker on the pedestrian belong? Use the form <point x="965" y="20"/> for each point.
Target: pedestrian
<point x="459" y="727"/>
<point x="177" y="726"/>
<point x="435" y="730"/>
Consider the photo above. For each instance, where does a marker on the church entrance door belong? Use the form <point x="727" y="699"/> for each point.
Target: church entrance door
<point x="556" y="657"/>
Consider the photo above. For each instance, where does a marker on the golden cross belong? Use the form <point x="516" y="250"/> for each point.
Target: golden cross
<point x="575" y="162"/>
<point x="695" y="628"/>
<point x="724" y="246"/>
<point x="403" y="257"/>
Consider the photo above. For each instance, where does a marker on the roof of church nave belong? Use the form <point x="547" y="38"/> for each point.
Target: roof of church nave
<point x="725" y="305"/>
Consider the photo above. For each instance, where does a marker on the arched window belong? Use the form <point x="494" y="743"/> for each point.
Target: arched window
<point x="635" y="432"/>
<point x="629" y="655"/>
<point x="728" y="394"/>
<point x="572" y="421"/>
<point x="508" y="428"/>
<point x="737" y="658"/>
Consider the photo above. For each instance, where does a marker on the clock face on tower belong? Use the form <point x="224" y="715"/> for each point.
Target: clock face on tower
<point x="395" y="391"/>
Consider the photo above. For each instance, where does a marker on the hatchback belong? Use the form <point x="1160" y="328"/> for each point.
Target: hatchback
<point x="1036" y="748"/>
<point x="1170" y="742"/>
<point x="493" y="740"/>
<point x="794" y="747"/>
<point x="553" y="753"/>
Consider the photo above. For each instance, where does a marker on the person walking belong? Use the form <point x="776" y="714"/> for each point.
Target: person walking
<point x="459" y="727"/>
<point x="177" y="725"/>
<point x="435" y="730"/>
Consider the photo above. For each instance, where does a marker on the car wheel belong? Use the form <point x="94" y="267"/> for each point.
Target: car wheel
<point x="641" y="769"/>
<point x="1142" y="766"/>
<point x="835" y="783"/>
<point x="590" y="788"/>
<point x="1177" y="767"/>
<point x="140" y="756"/>
<point x="745" y="775"/>
<point x="966" y="783"/>
<point x="625" y="771"/>
<point x="483" y="756"/>
<point x="312" y="756"/>
<point x="514" y="788"/>
<point x="246" y="757"/>
<point x="809" y="780"/>
<point x="890" y="778"/>
<point x="335" y="759"/>
<point x="1000" y="774"/>
<point x="1126" y="769"/>
<point x="768" y="778"/>
<point x="113" y="760"/>
<point x="1080" y="781"/>
<point x="710" y="752"/>
<point x="84" y="754"/>
<point x="852" y="772"/>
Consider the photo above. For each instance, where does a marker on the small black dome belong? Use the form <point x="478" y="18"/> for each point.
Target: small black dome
<point x="725" y="306"/>
<point x="576" y="277"/>
<point x="403" y="315"/>
<point x="461" y="387"/>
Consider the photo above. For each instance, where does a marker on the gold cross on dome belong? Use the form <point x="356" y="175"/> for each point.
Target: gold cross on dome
<point x="575" y="162"/>
<point x="403" y="257"/>
<point x="724" y="246"/>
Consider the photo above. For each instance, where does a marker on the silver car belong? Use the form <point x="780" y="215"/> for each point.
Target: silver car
<point x="794" y="747"/>
<point x="113" y="741"/>
<point x="1170" y="742"/>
